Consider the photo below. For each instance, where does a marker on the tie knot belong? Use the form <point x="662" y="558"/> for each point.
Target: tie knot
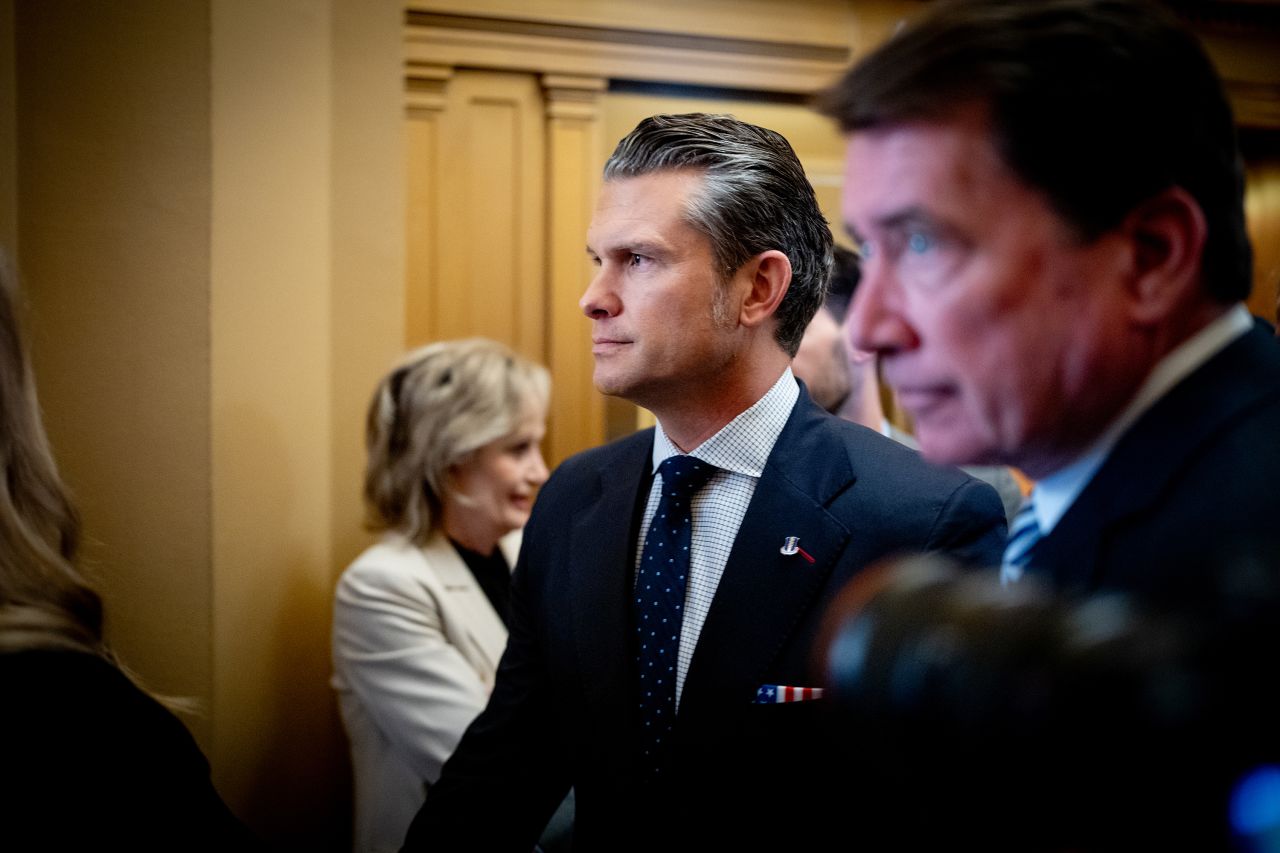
<point x="682" y="476"/>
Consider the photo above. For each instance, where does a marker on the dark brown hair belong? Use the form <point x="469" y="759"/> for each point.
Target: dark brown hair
<point x="1101" y="104"/>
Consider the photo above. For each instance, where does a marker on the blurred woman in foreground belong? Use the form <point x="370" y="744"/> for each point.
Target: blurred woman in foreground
<point x="89" y="760"/>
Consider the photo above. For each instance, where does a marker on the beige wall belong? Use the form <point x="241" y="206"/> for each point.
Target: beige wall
<point x="270" y="318"/>
<point x="367" y="244"/>
<point x="306" y="314"/>
<point x="113" y="221"/>
<point x="209" y="206"/>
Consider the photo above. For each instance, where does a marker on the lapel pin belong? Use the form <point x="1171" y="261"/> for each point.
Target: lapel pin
<point x="791" y="546"/>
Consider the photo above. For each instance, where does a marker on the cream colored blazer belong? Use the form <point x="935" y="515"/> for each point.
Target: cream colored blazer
<point x="415" y="648"/>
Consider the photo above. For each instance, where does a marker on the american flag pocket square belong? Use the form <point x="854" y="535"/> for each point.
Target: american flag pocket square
<point x="774" y="694"/>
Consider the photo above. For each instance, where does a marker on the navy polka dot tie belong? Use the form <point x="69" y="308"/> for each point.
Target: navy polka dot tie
<point x="659" y="602"/>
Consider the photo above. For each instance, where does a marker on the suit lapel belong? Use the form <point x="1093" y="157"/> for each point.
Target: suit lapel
<point x="467" y="602"/>
<point x="764" y="594"/>
<point x="1147" y="458"/>
<point x="601" y="545"/>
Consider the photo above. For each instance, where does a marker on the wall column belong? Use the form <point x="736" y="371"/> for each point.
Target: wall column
<point x="573" y="180"/>
<point x="426" y="97"/>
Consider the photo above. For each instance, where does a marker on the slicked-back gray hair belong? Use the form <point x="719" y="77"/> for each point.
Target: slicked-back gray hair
<point x="443" y="402"/>
<point x="755" y="198"/>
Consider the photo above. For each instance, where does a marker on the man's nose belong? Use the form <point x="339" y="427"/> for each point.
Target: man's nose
<point x="600" y="299"/>
<point x="876" y="322"/>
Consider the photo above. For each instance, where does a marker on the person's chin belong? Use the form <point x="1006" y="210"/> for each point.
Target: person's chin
<point x="610" y="382"/>
<point x="948" y="446"/>
<point x="517" y="517"/>
<point x="945" y="437"/>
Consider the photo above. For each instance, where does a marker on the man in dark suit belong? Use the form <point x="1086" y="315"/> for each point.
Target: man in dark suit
<point x="711" y="258"/>
<point x="1049" y="200"/>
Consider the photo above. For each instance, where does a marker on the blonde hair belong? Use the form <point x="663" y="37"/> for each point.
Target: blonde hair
<point x="443" y="402"/>
<point x="44" y="600"/>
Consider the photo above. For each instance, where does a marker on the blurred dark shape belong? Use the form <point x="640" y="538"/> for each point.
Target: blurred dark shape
<point x="1255" y="808"/>
<point x="846" y="272"/>
<point x="1011" y="719"/>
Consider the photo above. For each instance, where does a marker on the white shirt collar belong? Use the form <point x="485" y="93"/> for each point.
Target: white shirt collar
<point x="1055" y="493"/>
<point x="743" y="445"/>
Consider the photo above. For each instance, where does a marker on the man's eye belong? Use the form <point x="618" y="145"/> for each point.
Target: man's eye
<point x="636" y="260"/>
<point x="919" y="243"/>
<point x="865" y="250"/>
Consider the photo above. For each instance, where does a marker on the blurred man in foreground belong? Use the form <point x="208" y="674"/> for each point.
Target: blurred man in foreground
<point x="844" y="380"/>
<point x="1049" y="201"/>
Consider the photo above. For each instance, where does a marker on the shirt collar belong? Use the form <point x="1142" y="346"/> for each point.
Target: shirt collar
<point x="1055" y="493"/>
<point x="743" y="445"/>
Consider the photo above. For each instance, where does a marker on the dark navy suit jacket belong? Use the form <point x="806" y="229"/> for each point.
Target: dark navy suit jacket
<point x="1189" y="493"/>
<point x="562" y="711"/>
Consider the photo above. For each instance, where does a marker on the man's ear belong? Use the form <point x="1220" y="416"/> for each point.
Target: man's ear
<point x="1166" y="235"/>
<point x="770" y="276"/>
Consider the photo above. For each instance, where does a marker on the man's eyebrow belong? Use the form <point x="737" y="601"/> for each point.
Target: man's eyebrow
<point x="647" y="247"/>
<point x="636" y="247"/>
<point x="895" y="221"/>
<point x="898" y="219"/>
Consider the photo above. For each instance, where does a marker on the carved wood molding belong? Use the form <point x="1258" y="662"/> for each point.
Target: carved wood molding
<point x="1256" y="105"/>
<point x="620" y="53"/>
<point x="425" y="85"/>
<point x="573" y="97"/>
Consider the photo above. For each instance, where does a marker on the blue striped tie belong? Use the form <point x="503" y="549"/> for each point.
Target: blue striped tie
<point x="1023" y="537"/>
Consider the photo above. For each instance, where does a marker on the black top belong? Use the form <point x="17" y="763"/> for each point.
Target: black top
<point x="493" y="574"/>
<point x="91" y="762"/>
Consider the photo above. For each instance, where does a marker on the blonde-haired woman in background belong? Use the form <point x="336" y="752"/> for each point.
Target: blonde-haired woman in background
<point x="89" y="760"/>
<point x="454" y="464"/>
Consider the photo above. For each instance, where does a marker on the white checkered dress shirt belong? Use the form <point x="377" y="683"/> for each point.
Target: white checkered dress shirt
<point x="741" y="449"/>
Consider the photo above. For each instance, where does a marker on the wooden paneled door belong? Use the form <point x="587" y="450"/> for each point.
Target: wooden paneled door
<point x="500" y="167"/>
